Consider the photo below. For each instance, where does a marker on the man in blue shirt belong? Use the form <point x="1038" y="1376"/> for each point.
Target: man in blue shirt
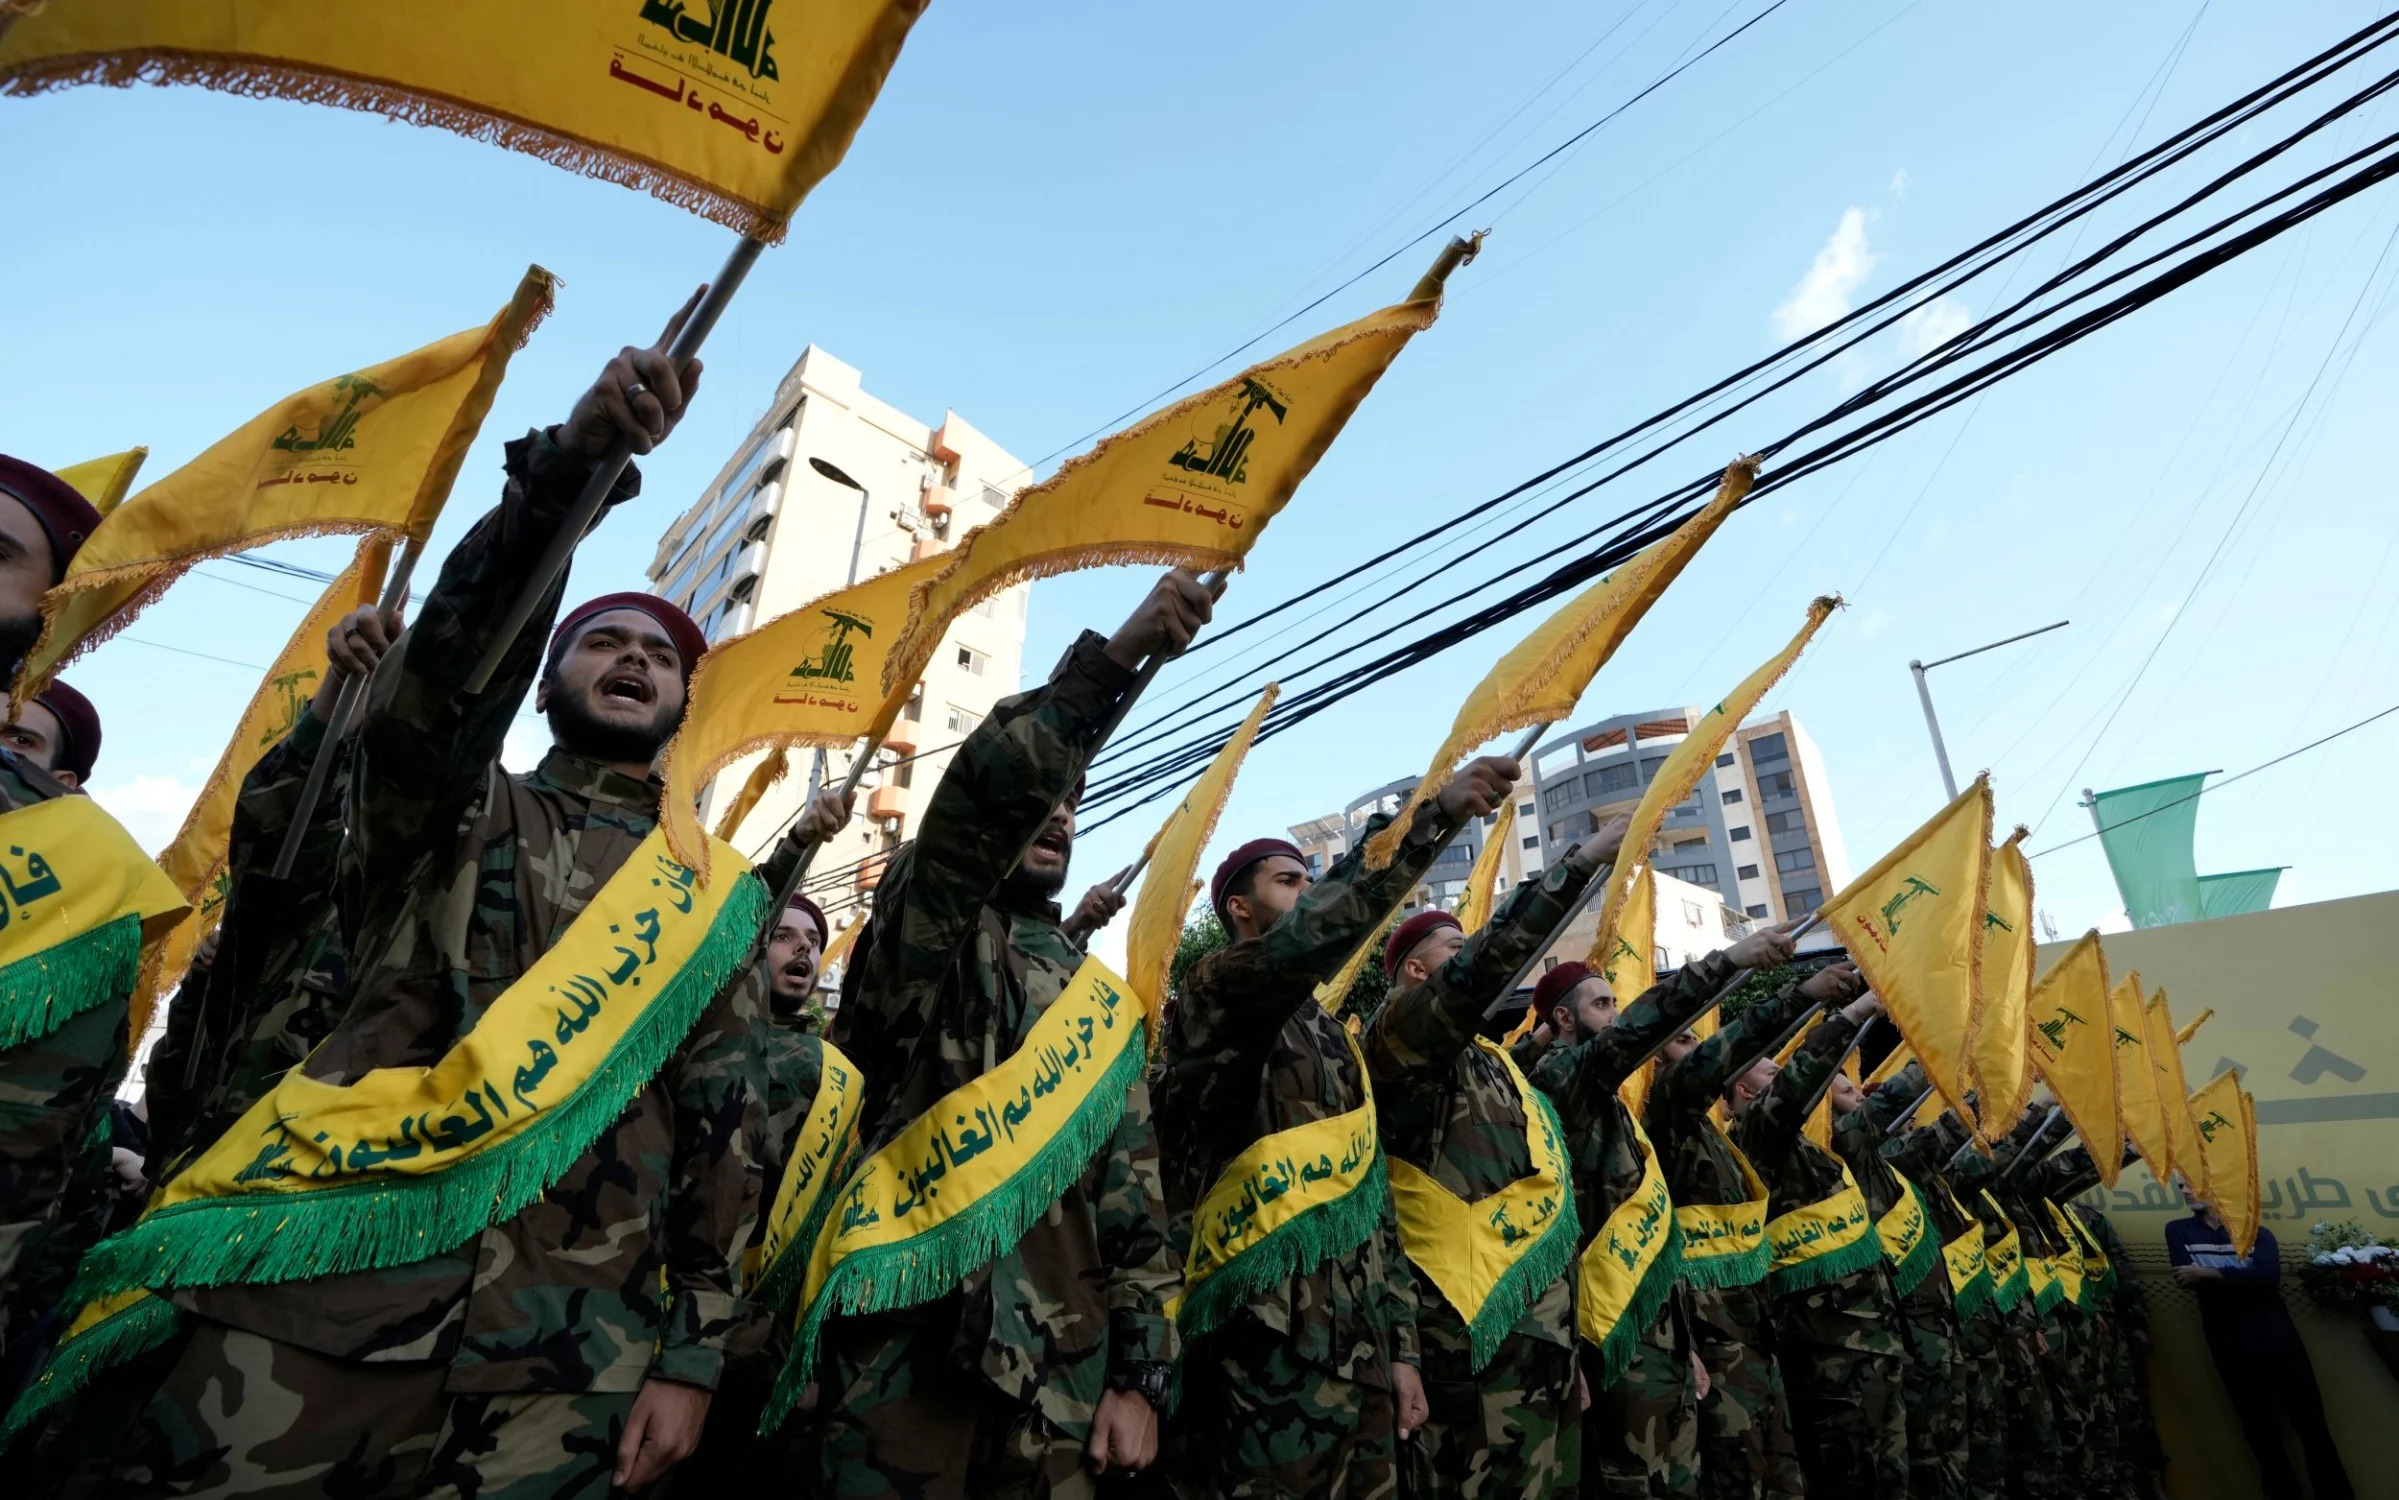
<point x="2257" y="1350"/>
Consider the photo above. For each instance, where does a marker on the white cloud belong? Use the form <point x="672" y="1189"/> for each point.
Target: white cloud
<point x="1935" y="323"/>
<point x="528" y="741"/>
<point x="152" y="808"/>
<point x="1899" y="183"/>
<point x="1822" y="295"/>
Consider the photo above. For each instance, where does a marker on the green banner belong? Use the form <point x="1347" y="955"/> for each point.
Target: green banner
<point x="2147" y="831"/>
<point x="2238" y="892"/>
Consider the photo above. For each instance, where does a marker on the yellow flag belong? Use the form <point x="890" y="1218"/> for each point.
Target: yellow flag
<point x="105" y="481"/>
<point x="1889" y="1068"/>
<point x="2073" y="1048"/>
<point x="1541" y="680"/>
<point x="1626" y="957"/>
<point x="773" y="768"/>
<point x="839" y="949"/>
<point x="2183" y="1037"/>
<point x="733" y="109"/>
<point x="1695" y="757"/>
<point x="810" y="677"/>
<point x="195" y="860"/>
<point x="1192" y="486"/>
<point x="1156" y="928"/>
<point x="376" y="450"/>
<point x="2137" y="1097"/>
<point x="1482" y="882"/>
<point x="1335" y="990"/>
<point x="2226" y="1120"/>
<point x="2166" y="1078"/>
<point x="2002" y="1069"/>
<point x="1914" y="924"/>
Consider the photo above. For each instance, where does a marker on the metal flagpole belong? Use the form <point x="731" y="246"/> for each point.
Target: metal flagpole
<point x="1717" y="999"/>
<point x="1909" y="1113"/>
<point x="312" y="791"/>
<point x="586" y="508"/>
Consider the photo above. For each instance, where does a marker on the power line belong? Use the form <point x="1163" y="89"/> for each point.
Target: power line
<point x="2221" y="785"/>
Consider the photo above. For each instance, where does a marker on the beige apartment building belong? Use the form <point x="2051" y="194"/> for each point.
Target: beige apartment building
<point x="831" y="485"/>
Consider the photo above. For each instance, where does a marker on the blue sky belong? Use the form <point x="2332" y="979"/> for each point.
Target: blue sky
<point x="1054" y="212"/>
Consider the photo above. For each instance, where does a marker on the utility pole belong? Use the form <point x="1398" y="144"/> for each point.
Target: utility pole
<point x="1924" y="695"/>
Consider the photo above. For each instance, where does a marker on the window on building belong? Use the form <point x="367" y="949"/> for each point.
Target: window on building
<point x="1557" y="833"/>
<point x="1786" y="823"/>
<point x="1801" y="858"/>
<point x="1769" y="747"/>
<point x="1531" y="841"/>
<point x="1732" y="796"/>
<point x="1649" y="767"/>
<point x="904" y="773"/>
<point x="1698" y="874"/>
<point x="1693" y="913"/>
<point x="1617" y="778"/>
<point x="1806" y="898"/>
<point x="914" y="713"/>
<point x="1740" y="835"/>
<point x="1726" y="759"/>
<point x="1659" y="962"/>
<point x="1315" y="863"/>
<point x="971" y="661"/>
<point x="963" y="720"/>
<point x="1773" y="784"/>
<point x="1745" y="872"/>
<point x="1557" y="797"/>
<point x="1755" y="911"/>
<point x="988" y="607"/>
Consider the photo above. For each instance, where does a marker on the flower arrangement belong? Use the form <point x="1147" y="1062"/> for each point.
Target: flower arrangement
<point x="2349" y="1269"/>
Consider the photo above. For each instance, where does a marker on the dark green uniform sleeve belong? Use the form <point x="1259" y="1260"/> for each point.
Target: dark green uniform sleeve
<point x="1395" y="1298"/>
<point x="1768" y="1130"/>
<point x="1581" y="1078"/>
<point x="720" y="1092"/>
<point x="2069" y="1174"/>
<point x="1418" y="1033"/>
<point x="1697" y="1081"/>
<point x="1924" y="1152"/>
<point x="426" y="746"/>
<point x="1979" y="1170"/>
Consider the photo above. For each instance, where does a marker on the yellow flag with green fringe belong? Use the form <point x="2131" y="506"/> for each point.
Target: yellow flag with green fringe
<point x="2143" y="1111"/>
<point x="1914" y="925"/>
<point x="1156" y="927"/>
<point x="1626" y="957"/>
<point x="375" y="450"/>
<point x="2226" y="1119"/>
<point x="105" y="481"/>
<point x="1541" y="680"/>
<point x="1482" y="882"/>
<point x="1192" y="486"/>
<point x="1695" y="758"/>
<point x="733" y="109"/>
<point x="2165" y="1058"/>
<point x="2073" y="1048"/>
<point x="2002" y="1068"/>
<point x="195" y="860"/>
<point x="812" y="677"/>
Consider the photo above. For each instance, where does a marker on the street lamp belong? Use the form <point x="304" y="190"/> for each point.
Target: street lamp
<point x="839" y="476"/>
<point x="1925" y="696"/>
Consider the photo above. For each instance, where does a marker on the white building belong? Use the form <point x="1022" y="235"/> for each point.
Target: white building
<point x="777" y="530"/>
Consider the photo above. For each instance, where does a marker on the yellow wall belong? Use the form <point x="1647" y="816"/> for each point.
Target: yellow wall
<point x="2328" y="1148"/>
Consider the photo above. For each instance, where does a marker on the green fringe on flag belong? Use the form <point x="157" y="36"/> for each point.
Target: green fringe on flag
<point x="1534" y="1270"/>
<point x="43" y="991"/>
<point x="1648" y="1299"/>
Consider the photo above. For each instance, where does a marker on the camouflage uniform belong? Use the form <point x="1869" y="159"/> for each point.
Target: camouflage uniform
<point x="2143" y="1456"/>
<point x="1935" y="1391"/>
<point x="1641" y="1435"/>
<point x="2099" y="1355"/>
<point x="991" y="1390"/>
<point x="1292" y="1395"/>
<point x="2030" y="1413"/>
<point x="1920" y="1155"/>
<point x="279" y="977"/>
<point x="457" y="877"/>
<point x="54" y="1135"/>
<point x="1746" y="1450"/>
<point x="1839" y="1343"/>
<point x="1446" y="1106"/>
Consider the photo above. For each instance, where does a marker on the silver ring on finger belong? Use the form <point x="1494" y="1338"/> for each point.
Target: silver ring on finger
<point x="635" y="389"/>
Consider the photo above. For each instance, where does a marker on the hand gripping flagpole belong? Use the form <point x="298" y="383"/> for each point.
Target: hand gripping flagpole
<point x="586" y="509"/>
<point x="312" y="791"/>
<point x="1717" y="999"/>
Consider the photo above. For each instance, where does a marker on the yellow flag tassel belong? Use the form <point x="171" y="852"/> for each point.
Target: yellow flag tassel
<point x="774" y="768"/>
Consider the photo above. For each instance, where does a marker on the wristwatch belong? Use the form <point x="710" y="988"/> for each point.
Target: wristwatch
<point x="1145" y="1378"/>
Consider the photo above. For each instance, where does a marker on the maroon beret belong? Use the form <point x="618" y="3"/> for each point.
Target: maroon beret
<point x="78" y="728"/>
<point x="689" y="643"/>
<point x="1558" y="983"/>
<point x="815" y="913"/>
<point x="64" y="515"/>
<point x="1233" y="865"/>
<point x="1408" y="934"/>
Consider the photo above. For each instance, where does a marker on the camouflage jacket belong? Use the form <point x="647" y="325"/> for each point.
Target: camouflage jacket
<point x="2129" y="1306"/>
<point x="1855" y="1311"/>
<point x="1859" y="1138"/>
<point x="1448" y="1107"/>
<point x="54" y="1151"/>
<point x="457" y="876"/>
<point x="1249" y="1052"/>
<point x="1696" y="1157"/>
<point x="1582" y="1081"/>
<point x="946" y="980"/>
<point x="278" y="980"/>
<point x="1974" y="1175"/>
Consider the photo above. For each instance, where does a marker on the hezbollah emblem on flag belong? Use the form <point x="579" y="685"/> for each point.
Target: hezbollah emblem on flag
<point x="1215" y="470"/>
